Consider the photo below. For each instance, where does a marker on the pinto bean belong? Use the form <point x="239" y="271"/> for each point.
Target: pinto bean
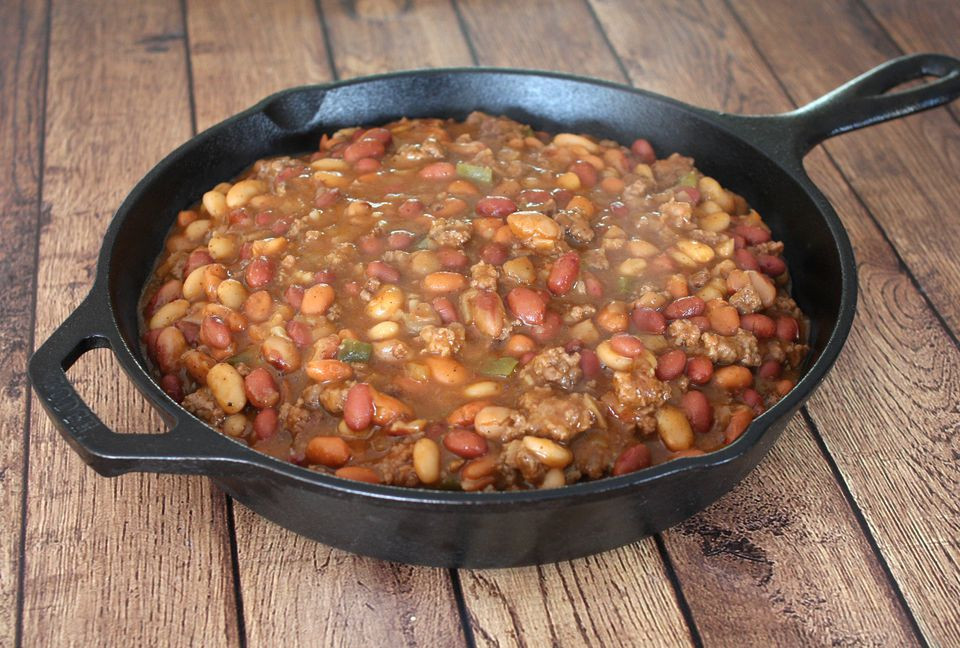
<point x="445" y="309"/>
<point x="495" y="207"/>
<point x="317" y="299"/>
<point x="699" y="370"/>
<point x="564" y="273"/>
<point x="527" y="305"/>
<point x="760" y="325"/>
<point x="627" y="345"/>
<point x="170" y="345"/>
<point x="227" y="387"/>
<point x="770" y="370"/>
<point x="752" y="234"/>
<point x="725" y="320"/>
<point x="426" y="460"/>
<point x="733" y="377"/>
<point x="585" y="172"/>
<point x="265" y="423"/>
<point x="260" y="388"/>
<point x="494" y="254"/>
<point x="358" y="408"/>
<point x="648" y="320"/>
<point x="259" y="273"/>
<point x="697" y="409"/>
<point x="552" y="323"/>
<point x="358" y="473"/>
<point x="438" y="171"/>
<point x="674" y="428"/>
<point x="771" y="265"/>
<point x="364" y="148"/>
<point x="281" y="353"/>
<point x="684" y="307"/>
<point x="466" y="413"/>
<point x="329" y="451"/>
<point x="488" y="315"/>
<point x="447" y="371"/>
<point x="452" y="259"/>
<point x="671" y="364"/>
<point x="257" y="306"/>
<point x="443" y="282"/>
<point x="643" y="151"/>
<point x="410" y="208"/>
<point x="745" y="260"/>
<point x="787" y="329"/>
<point x="164" y="295"/>
<point x="328" y="370"/>
<point x="740" y="418"/>
<point x="632" y="459"/>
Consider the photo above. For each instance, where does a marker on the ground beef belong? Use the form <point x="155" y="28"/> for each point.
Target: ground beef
<point x="560" y="417"/>
<point x="429" y="149"/>
<point x="596" y="259"/>
<point x="636" y="192"/>
<point x="203" y="405"/>
<point x="669" y="171"/>
<point x="770" y="247"/>
<point x="396" y="467"/>
<point x="329" y="396"/>
<point x="678" y="215"/>
<point x="576" y="224"/>
<point x="443" y="340"/>
<point x="578" y="313"/>
<point x="746" y="300"/>
<point x="484" y="276"/>
<point x="553" y="365"/>
<point x="684" y="333"/>
<point x="340" y="255"/>
<point x="450" y="232"/>
<point x="740" y="347"/>
<point x="638" y="394"/>
<point x="516" y="458"/>
<point x="787" y="306"/>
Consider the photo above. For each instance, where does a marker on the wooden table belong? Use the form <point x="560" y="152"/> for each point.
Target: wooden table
<point x="847" y="534"/>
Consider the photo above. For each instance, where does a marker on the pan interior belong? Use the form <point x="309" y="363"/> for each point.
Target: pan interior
<point x="292" y="122"/>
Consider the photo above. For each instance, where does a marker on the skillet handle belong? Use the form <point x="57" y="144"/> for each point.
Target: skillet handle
<point x="864" y="100"/>
<point x="106" y="451"/>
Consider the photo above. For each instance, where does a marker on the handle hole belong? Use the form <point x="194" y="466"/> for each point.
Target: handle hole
<point x="103" y="385"/>
<point x="926" y="79"/>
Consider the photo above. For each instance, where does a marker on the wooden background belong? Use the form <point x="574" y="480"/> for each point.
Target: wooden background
<point x="847" y="534"/>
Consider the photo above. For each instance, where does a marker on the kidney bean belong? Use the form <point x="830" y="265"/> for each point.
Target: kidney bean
<point x="365" y="148"/>
<point x="495" y="207"/>
<point x="534" y="197"/>
<point x="438" y="171"/>
<point x="784" y="386"/>
<point x="299" y="333"/>
<point x="671" y="364"/>
<point x="264" y="218"/>
<point x="324" y="277"/>
<point x="618" y="209"/>
<point x="627" y="345"/>
<point x="527" y="305"/>
<point x="770" y="370"/>
<point x="647" y="320"/>
<point x="358" y="408"/>
<point x="452" y="259"/>
<point x="171" y="386"/>
<point x="383" y="271"/>
<point x="382" y="135"/>
<point x="259" y="273"/>
<point x="758" y="324"/>
<point x="632" y="459"/>
<point x="465" y="443"/>
<point x="445" y="309"/>
<point x="688" y="194"/>
<point x="585" y="171"/>
<point x="739" y="420"/>
<point x="400" y="240"/>
<point x="725" y="320"/>
<point x="280" y="227"/>
<point x="240" y="218"/>
<point x="371" y="245"/>
<point x="552" y="323"/>
<point x="643" y="151"/>
<point x="494" y="254"/>
<point x="787" y="329"/>
<point x="265" y="423"/>
<point x="214" y="333"/>
<point x="593" y="286"/>
<point x="701" y="322"/>
<point x="366" y="165"/>
<point x="410" y="208"/>
<point x="733" y="377"/>
<point x="752" y="234"/>
<point x="164" y="295"/>
<point x="739" y="242"/>
<point x="684" y="307"/>
<point x="771" y="265"/>
<point x="745" y="260"/>
<point x="190" y="330"/>
<point x="561" y="197"/>
<point x="328" y="450"/>
<point x="564" y="273"/>
<point x="697" y="408"/>
<point x="261" y="389"/>
<point x="753" y="398"/>
<point x="589" y="363"/>
<point x="293" y="295"/>
<point x="699" y="370"/>
<point x="196" y="259"/>
<point x="326" y="198"/>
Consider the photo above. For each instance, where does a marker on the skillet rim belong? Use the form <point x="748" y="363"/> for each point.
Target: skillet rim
<point x="732" y="124"/>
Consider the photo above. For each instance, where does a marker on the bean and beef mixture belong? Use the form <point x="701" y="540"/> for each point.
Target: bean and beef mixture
<point x="473" y="305"/>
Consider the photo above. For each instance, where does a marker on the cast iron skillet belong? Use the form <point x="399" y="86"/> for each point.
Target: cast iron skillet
<point x="759" y="157"/>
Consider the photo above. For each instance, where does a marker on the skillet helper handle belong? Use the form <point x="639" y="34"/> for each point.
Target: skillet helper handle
<point x="106" y="451"/>
<point x="864" y="100"/>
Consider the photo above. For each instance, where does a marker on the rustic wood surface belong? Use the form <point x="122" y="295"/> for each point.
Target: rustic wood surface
<point x="846" y="534"/>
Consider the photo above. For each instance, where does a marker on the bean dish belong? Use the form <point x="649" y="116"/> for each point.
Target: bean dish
<point x="473" y="305"/>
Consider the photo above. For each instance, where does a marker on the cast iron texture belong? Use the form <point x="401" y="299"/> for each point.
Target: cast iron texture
<point x="759" y="157"/>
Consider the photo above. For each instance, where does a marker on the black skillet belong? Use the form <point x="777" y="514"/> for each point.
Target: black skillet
<point x="759" y="157"/>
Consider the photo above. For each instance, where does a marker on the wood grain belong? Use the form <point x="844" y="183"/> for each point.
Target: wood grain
<point x="784" y="542"/>
<point x="374" y="36"/>
<point x="293" y="587"/>
<point x="590" y="601"/>
<point x="23" y="47"/>
<point x="141" y="559"/>
<point x="897" y="167"/>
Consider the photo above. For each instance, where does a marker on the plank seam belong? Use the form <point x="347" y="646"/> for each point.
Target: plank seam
<point x="189" y="65"/>
<point x="896" y="45"/>
<point x="327" y="45"/>
<point x="465" y="32"/>
<point x="901" y="263"/>
<point x="863" y="524"/>
<point x="235" y="567"/>
<point x="31" y="331"/>
<point x="464" y="613"/>
<point x="685" y="609"/>
<point x="606" y="39"/>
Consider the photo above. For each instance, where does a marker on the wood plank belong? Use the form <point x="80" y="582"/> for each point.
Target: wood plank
<point x="375" y="36"/>
<point x="587" y="601"/>
<point x="351" y="600"/>
<point x="757" y="540"/>
<point x="119" y="561"/>
<point x="894" y="167"/>
<point x="23" y="47"/>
